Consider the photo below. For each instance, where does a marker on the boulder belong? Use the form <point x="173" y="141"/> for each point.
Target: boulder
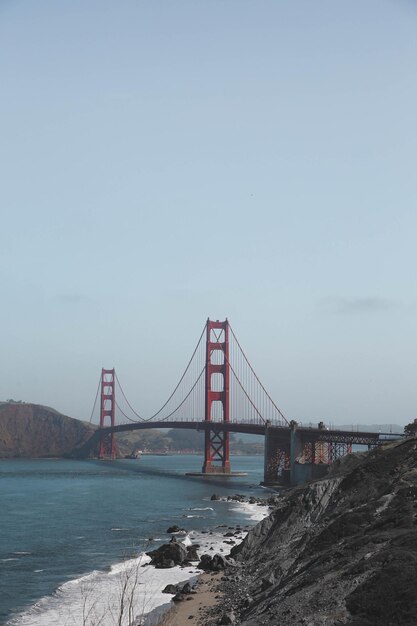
<point x="192" y="553"/>
<point x="227" y="618"/>
<point x="187" y="589"/>
<point x="171" y="589"/>
<point x="205" y="562"/>
<point x="178" y="597"/>
<point x="168" y="555"/>
<point x="216" y="563"/>
<point x="175" y="529"/>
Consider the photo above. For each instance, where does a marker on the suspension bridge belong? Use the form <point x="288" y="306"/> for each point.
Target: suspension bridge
<point x="219" y="393"/>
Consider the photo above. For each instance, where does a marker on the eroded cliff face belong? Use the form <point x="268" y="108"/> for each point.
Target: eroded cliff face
<point x="31" y="430"/>
<point x="342" y="550"/>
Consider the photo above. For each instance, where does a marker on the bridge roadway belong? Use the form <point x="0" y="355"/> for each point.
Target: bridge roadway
<point x="278" y="439"/>
<point x="284" y="432"/>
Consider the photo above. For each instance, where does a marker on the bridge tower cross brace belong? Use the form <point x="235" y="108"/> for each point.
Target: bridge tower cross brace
<point x="216" y="445"/>
<point x="107" y="448"/>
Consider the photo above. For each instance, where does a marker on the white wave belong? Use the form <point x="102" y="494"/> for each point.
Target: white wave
<point x="100" y="593"/>
<point x="255" y="512"/>
<point x="187" y="541"/>
<point x="201" y="508"/>
<point x="120" y="529"/>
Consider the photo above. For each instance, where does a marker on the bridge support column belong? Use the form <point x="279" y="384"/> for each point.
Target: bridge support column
<point x="276" y="458"/>
<point x="296" y="450"/>
<point x="107" y="448"/>
<point x="216" y="447"/>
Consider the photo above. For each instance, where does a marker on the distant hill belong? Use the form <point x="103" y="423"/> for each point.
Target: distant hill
<point x="31" y="431"/>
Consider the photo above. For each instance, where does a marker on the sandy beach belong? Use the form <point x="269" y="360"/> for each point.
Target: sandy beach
<point x="192" y="610"/>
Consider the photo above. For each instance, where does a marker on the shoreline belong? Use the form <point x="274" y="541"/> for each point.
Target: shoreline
<point x="98" y="591"/>
<point x="205" y="594"/>
<point x="192" y="610"/>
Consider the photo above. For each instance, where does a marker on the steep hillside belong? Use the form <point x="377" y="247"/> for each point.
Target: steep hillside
<point x="341" y="550"/>
<point x="32" y="430"/>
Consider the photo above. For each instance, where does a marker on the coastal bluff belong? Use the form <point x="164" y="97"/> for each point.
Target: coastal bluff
<point x="340" y="550"/>
<point x="33" y="431"/>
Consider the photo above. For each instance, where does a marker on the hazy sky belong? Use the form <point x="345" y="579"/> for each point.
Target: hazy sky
<point x="166" y="161"/>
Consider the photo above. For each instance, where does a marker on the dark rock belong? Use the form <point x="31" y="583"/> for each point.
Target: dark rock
<point x="237" y="498"/>
<point x="267" y="582"/>
<point x="168" y="555"/>
<point x="205" y="562"/>
<point x="187" y="589"/>
<point x="178" y="597"/>
<point x="192" y="554"/>
<point x="175" y="529"/>
<point x="215" y="497"/>
<point x="216" y="563"/>
<point x="227" y="618"/>
<point x="171" y="589"/>
<point x="165" y="564"/>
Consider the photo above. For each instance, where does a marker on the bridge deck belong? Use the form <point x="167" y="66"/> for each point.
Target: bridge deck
<point x="307" y="434"/>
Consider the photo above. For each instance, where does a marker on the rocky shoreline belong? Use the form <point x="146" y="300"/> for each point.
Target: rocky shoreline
<point x="341" y="550"/>
<point x="210" y="560"/>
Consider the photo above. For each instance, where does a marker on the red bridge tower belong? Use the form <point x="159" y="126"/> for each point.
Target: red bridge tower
<point x="107" y="448"/>
<point x="216" y="448"/>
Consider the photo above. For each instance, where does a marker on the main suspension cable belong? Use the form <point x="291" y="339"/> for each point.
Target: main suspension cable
<point x="95" y="401"/>
<point x="126" y="416"/>
<point x="142" y="419"/>
<point x="180" y="381"/>
<point x="187" y="396"/>
<point x="254" y="373"/>
<point x="234" y="373"/>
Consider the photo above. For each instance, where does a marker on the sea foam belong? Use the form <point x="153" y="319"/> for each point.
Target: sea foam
<point x="98" y="596"/>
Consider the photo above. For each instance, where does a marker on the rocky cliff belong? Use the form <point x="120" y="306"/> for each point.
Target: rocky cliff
<point x="31" y="430"/>
<point x="341" y="550"/>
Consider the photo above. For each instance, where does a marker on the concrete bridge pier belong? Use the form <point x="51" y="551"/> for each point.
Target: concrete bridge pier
<point x="301" y="472"/>
<point x="284" y="460"/>
<point x="296" y="449"/>
<point x="276" y="456"/>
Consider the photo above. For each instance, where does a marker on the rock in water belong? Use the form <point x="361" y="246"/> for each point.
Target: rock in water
<point x="168" y="555"/>
<point x="175" y="529"/>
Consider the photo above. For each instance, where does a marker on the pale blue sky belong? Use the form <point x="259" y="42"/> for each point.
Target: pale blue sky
<point x="162" y="162"/>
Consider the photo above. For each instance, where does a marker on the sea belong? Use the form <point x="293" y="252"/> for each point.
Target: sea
<point x="73" y="534"/>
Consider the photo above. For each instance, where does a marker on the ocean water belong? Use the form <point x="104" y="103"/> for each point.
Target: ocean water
<point x="74" y="532"/>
